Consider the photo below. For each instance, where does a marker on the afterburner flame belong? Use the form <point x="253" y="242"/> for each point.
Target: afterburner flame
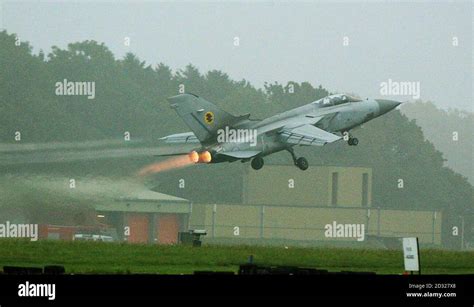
<point x="205" y="157"/>
<point x="166" y="165"/>
<point x="176" y="162"/>
<point x="194" y="156"/>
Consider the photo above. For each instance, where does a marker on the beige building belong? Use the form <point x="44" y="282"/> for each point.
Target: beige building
<point x="317" y="186"/>
<point x="284" y="203"/>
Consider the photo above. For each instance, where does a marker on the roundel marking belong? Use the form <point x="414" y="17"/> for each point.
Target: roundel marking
<point x="209" y="117"/>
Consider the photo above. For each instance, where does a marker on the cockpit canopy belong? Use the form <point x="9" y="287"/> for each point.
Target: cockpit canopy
<point x="334" y="100"/>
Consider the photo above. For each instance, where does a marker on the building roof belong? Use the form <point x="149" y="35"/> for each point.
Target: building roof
<point x="148" y="195"/>
<point x="146" y="201"/>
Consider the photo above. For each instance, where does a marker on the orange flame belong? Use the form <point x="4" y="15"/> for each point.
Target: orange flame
<point x="166" y="165"/>
<point x="176" y="162"/>
<point x="194" y="156"/>
<point x="205" y="157"/>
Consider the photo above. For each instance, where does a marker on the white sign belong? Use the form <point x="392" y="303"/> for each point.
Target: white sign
<point x="411" y="254"/>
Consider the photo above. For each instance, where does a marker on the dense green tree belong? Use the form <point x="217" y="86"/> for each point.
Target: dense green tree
<point x="451" y="131"/>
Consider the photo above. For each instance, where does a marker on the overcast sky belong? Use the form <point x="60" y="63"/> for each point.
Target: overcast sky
<point x="278" y="41"/>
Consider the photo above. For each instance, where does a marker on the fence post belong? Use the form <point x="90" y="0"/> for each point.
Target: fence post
<point x="378" y="222"/>
<point x="367" y="221"/>
<point x="214" y="210"/>
<point x="188" y="219"/>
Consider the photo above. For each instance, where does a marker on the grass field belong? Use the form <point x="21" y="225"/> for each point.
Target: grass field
<point x="98" y="257"/>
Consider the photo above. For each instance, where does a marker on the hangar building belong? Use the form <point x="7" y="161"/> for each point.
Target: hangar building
<point x="146" y="217"/>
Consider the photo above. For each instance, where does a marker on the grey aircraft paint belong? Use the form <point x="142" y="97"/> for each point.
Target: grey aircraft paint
<point x="317" y="123"/>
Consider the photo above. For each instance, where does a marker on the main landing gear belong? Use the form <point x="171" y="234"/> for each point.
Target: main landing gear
<point x="300" y="162"/>
<point x="257" y="163"/>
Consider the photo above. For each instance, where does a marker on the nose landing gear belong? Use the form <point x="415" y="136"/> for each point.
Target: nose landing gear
<point x="350" y="140"/>
<point x="353" y="141"/>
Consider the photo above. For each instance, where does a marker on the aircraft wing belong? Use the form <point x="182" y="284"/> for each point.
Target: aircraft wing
<point x="307" y="135"/>
<point x="181" y="138"/>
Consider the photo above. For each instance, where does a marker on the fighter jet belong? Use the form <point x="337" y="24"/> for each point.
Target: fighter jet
<point x="222" y="137"/>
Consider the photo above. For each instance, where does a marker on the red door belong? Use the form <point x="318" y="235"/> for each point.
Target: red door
<point x="138" y="224"/>
<point x="168" y="228"/>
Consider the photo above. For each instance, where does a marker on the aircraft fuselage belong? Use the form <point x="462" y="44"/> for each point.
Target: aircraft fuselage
<point x="348" y="116"/>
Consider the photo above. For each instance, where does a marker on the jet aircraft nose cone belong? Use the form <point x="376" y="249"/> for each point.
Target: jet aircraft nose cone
<point x="386" y="105"/>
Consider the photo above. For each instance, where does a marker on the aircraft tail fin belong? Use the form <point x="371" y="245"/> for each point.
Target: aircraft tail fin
<point x="201" y="116"/>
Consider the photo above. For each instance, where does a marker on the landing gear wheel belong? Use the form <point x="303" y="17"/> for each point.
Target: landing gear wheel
<point x="302" y="163"/>
<point x="353" y="141"/>
<point x="257" y="163"/>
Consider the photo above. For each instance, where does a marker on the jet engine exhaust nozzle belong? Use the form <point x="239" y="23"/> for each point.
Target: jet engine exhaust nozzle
<point x="202" y="157"/>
